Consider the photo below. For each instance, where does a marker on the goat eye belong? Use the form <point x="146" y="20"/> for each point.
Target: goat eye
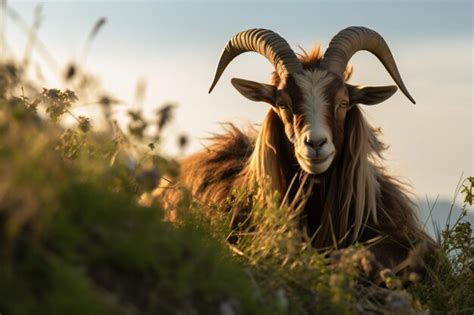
<point x="282" y="106"/>
<point x="344" y="105"/>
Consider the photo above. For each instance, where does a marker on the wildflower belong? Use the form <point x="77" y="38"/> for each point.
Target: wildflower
<point x="164" y="115"/>
<point x="58" y="102"/>
<point x="70" y="72"/>
<point x="183" y="141"/>
<point x="84" y="123"/>
<point x="468" y="191"/>
<point x="391" y="281"/>
<point x="105" y="101"/>
<point x="33" y="106"/>
<point x="138" y="124"/>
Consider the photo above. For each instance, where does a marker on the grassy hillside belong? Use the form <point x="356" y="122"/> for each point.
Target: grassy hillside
<point x="75" y="241"/>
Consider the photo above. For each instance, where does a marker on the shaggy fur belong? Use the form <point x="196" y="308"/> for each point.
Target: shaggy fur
<point x="355" y="200"/>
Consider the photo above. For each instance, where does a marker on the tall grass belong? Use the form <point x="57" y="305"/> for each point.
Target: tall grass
<point x="74" y="239"/>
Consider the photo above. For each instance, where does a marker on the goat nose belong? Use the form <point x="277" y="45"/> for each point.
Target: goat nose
<point x="315" y="143"/>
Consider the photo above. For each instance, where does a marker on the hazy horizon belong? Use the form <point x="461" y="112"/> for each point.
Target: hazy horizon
<point x="175" y="48"/>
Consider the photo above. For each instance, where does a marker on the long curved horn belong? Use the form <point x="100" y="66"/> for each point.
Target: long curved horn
<point x="267" y="43"/>
<point x="353" y="39"/>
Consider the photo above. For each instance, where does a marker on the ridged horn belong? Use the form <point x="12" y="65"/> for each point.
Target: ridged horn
<point x="353" y="39"/>
<point x="265" y="42"/>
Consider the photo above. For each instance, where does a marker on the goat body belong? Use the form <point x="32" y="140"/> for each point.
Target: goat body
<point x="315" y="127"/>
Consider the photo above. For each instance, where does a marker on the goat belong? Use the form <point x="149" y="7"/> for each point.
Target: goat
<point x="314" y="126"/>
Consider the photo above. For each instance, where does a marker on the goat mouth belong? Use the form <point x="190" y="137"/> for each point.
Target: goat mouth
<point x="314" y="165"/>
<point x="317" y="160"/>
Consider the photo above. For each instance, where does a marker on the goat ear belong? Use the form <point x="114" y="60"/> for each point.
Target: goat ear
<point x="370" y="95"/>
<point x="255" y="91"/>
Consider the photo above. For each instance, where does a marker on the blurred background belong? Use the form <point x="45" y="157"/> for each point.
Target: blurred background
<point x="154" y="52"/>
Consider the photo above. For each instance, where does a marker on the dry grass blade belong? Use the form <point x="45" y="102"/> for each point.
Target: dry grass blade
<point x="39" y="45"/>
<point x="99" y="24"/>
<point x="30" y="44"/>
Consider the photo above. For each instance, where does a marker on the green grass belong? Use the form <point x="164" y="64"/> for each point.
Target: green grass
<point x="75" y="241"/>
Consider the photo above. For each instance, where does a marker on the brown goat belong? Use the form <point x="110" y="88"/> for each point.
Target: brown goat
<point x="314" y="127"/>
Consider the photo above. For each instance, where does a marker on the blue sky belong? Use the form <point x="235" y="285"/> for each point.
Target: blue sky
<point x="175" y="46"/>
